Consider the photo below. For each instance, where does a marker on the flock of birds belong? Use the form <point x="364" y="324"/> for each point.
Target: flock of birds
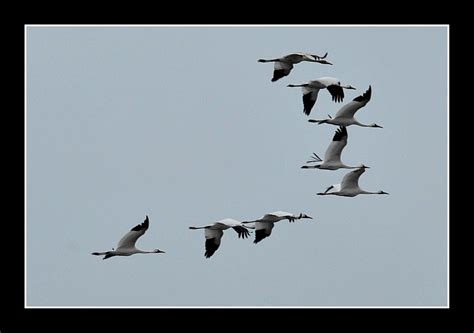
<point x="349" y="186"/>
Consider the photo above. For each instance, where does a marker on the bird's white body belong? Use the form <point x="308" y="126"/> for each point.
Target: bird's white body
<point x="345" y="115"/>
<point x="265" y="224"/>
<point x="284" y="65"/>
<point x="126" y="245"/>
<point x="349" y="187"/>
<point x="311" y="91"/>
<point x="214" y="232"/>
<point x="332" y="156"/>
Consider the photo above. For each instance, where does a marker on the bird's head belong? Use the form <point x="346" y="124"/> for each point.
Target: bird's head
<point x="322" y="61"/>
<point x="304" y="216"/>
<point x="350" y="87"/>
<point x="159" y="251"/>
<point x="382" y="192"/>
<point x="375" y="125"/>
<point x="364" y="166"/>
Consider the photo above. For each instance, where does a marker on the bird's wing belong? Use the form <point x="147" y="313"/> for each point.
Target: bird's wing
<point x="130" y="238"/>
<point x="262" y="230"/>
<point x="339" y="141"/>
<point x="281" y="69"/>
<point x="310" y="95"/>
<point x="280" y="213"/>
<point x="318" y="57"/>
<point x="213" y="240"/>
<point x="242" y="231"/>
<point x="351" y="179"/>
<point x="336" y="92"/>
<point x="348" y="110"/>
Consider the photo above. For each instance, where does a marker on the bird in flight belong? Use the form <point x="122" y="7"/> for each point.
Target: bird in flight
<point x="349" y="187"/>
<point x="126" y="245"/>
<point x="345" y="115"/>
<point x="264" y="225"/>
<point x="311" y="90"/>
<point x="332" y="157"/>
<point x="284" y="65"/>
<point x="214" y="232"/>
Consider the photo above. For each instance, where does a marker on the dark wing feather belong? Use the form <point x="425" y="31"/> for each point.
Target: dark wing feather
<point x="365" y="97"/>
<point x="336" y="92"/>
<point x="242" y="231"/>
<point x="212" y="244"/>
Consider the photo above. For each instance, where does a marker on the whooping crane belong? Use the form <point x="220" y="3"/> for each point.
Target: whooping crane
<point x="264" y="225"/>
<point x="332" y="157"/>
<point x="311" y="90"/>
<point x="213" y="233"/>
<point x="126" y="245"/>
<point x="349" y="187"/>
<point x="284" y="65"/>
<point x="345" y="115"/>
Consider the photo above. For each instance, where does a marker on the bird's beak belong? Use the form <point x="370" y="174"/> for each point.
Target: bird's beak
<point x="378" y="126"/>
<point x="383" y="192"/>
<point x="309" y="217"/>
<point x="366" y="167"/>
<point x="351" y="87"/>
<point x="159" y="251"/>
<point x="328" y="63"/>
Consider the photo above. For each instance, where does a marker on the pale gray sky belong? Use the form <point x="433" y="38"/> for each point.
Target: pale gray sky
<point x="183" y="124"/>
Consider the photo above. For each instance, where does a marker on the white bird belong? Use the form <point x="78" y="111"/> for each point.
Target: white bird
<point x="264" y="225"/>
<point x="213" y="233"/>
<point x="284" y="65"/>
<point x="349" y="186"/>
<point x="126" y="245"/>
<point x="332" y="157"/>
<point x="345" y="115"/>
<point x="311" y="90"/>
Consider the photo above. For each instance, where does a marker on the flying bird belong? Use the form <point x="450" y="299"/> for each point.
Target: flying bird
<point x="213" y="233"/>
<point x="345" y="115"/>
<point x="264" y="225"/>
<point x="332" y="157"/>
<point x="284" y="65"/>
<point x="311" y="90"/>
<point x="126" y="245"/>
<point x="349" y="187"/>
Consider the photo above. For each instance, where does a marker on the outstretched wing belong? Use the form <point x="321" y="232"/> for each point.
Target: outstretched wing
<point x="348" y="110"/>
<point x="336" y="92"/>
<point x="310" y="95"/>
<point x="262" y="230"/>
<point x="242" y="231"/>
<point x="339" y="141"/>
<point x="351" y="179"/>
<point x="213" y="241"/>
<point x="130" y="238"/>
<point x="281" y="69"/>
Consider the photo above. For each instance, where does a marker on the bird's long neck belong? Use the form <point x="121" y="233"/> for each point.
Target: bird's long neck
<point x="141" y="251"/>
<point x="351" y="167"/>
<point x="367" y="192"/>
<point x="361" y="125"/>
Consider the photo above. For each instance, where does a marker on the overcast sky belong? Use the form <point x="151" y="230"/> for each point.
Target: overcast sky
<point x="183" y="125"/>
